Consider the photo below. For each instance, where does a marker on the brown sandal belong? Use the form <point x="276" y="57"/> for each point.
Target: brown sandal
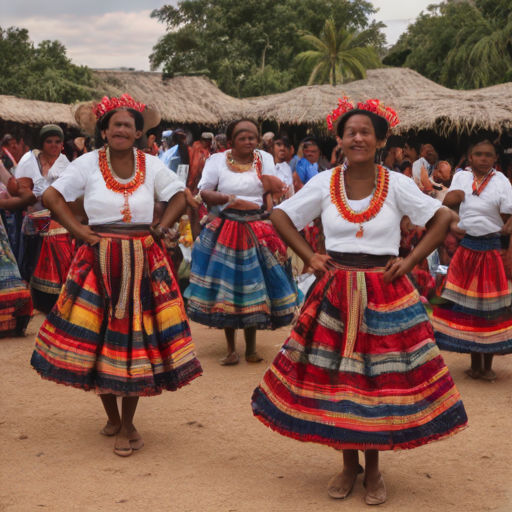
<point x="105" y="433"/>
<point x="122" y="452"/>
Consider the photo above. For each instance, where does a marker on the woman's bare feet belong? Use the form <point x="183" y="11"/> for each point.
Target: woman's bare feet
<point x="253" y="358"/>
<point x="376" y="493"/>
<point x="110" y="429"/>
<point x="341" y="485"/>
<point x="230" y="360"/>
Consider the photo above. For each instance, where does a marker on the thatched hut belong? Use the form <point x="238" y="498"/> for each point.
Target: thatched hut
<point x="185" y="100"/>
<point x="420" y="103"/>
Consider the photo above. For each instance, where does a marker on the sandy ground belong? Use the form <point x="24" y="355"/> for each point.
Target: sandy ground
<point x="205" y="452"/>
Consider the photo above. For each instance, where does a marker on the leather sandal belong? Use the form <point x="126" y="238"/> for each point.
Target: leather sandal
<point x="379" y="496"/>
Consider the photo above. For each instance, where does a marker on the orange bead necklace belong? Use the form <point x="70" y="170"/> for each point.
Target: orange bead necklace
<point x="127" y="189"/>
<point x="339" y="197"/>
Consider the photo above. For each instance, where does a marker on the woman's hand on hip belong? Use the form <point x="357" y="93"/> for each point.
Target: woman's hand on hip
<point x="396" y="268"/>
<point x="88" y="235"/>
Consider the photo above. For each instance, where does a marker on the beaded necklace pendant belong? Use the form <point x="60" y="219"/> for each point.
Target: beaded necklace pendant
<point x="127" y="189"/>
<point x="339" y="197"/>
<point x="480" y="184"/>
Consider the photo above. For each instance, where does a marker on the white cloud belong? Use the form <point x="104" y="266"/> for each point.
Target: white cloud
<point x="115" y="39"/>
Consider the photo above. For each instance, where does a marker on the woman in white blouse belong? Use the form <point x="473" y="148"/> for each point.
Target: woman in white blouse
<point x="478" y="319"/>
<point x="119" y="327"/>
<point x="46" y="247"/>
<point x="241" y="276"/>
<point x="360" y="370"/>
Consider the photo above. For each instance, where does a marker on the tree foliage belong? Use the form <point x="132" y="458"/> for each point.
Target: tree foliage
<point x="248" y="47"/>
<point x="460" y="44"/>
<point x="40" y="73"/>
<point x="338" y="55"/>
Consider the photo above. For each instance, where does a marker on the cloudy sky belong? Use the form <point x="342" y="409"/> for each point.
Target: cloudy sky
<point x="116" y="33"/>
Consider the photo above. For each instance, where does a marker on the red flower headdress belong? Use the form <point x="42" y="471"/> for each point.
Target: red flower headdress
<point x="375" y="106"/>
<point x="108" y="104"/>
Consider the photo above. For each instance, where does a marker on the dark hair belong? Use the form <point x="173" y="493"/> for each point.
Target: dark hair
<point x="380" y="125"/>
<point x="404" y="165"/>
<point x="230" y="130"/>
<point x="104" y="121"/>
<point x="310" y="140"/>
<point x="414" y="144"/>
<point x="482" y="142"/>
<point x="285" y="141"/>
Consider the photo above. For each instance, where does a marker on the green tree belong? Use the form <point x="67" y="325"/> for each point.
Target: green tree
<point x="338" y="55"/>
<point x="41" y="73"/>
<point x="459" y="44"/>
<point x="247" y="47"/>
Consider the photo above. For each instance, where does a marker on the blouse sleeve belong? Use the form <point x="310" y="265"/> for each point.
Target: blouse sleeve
<point x="269" y="167"/>
<point x="167" y="183"/>
<point x="412" y="202"/>
<point x="506" y="197"/>
<point x="72" y="182"/>
<point x="306" y="204"/>
<point x="211" y="173"/>
<point x="457" y="182"/>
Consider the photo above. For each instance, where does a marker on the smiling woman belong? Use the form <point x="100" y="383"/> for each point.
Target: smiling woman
<point x="119" y="326"/>
<point x="360" y="370"/>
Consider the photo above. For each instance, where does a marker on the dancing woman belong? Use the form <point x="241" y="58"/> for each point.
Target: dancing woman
<point x="241" y="276"/>
<point x="119" y="327"/>
<point x="478" y="319"/>
<point x="361" y="370"/>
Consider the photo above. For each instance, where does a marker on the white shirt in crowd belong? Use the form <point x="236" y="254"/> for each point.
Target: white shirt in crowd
<point x="28" y="167"/>
<point x="381" y="234"/>
<point x="284" y="173"/>
<point x="103" y="206"/>
<point x="480" y="215"/>
<point x="416" y="169"/>
<point x="244" y="185"/>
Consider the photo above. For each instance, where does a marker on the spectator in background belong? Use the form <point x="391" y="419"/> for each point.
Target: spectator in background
<point x="181" y="154"/>
<point x="168" y="149"/>
<point x="337" y="156"/>
<point x="221" y="143"/>
<point x="199" y="153"/>
<point x="406" y="168"/>
<point x="13" y="149"/>
<point x="308" y="165"/>
<point x="293" y="160"/>
<point x="283" y="151"/>
<point x="268" y="142"/>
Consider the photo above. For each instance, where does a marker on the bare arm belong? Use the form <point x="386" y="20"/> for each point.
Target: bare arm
<point x="288" y="232"/>
<point x="437" y="229"/>
<point x="56" y="203"/>
<point x="453" y="199"/>
<point x="26" y="198"/>
<point x="213" y="198"/>
<point x="175" y="209"/>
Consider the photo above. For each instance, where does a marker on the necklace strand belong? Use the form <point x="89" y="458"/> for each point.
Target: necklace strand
<point x="478" y="186"/>
<point x="255" y="165"/>
<point x="340" y="200"/>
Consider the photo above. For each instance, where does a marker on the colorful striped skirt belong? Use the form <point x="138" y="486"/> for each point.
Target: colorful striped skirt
<point x="15" y="300"/>
<point x="360" y="369"/>
<point x="241" y="275"/>
<point x="52" y="266"/>
<point x="119" y="325"/>
<point x="478" y="318"/>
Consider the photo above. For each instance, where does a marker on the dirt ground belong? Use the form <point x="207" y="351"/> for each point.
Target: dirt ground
<point x="205" y="452"/>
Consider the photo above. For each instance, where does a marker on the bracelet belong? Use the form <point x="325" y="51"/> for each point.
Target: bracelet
<point x="198" y="198"/>
<point x="232" y="199"/>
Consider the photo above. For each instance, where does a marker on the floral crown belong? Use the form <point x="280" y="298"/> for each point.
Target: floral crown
<point x="375" y="106"/>
<point x="108" y="104"/>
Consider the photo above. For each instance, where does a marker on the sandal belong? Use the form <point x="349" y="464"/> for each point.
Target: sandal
<point x="253" y="358"/>
<point x="122" y="452"/>
<point x="379" y="496"/>
<point x="105" y="433"/>
<point x="229" y="360"/>
<point x="137" y="442"/>
<point x="489" y="378"/>
<point x="474" y="374"/>
<point x="334" y="493"/>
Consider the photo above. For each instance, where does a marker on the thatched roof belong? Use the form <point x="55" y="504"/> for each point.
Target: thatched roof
<point x="191" y="99"/>
<point x="420" y="103"/>
<point x="34" y="113"/>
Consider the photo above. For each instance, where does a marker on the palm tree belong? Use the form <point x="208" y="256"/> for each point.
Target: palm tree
<point x="338" y="55"/>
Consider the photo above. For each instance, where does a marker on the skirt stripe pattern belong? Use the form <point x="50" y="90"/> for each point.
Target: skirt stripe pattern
<point x="15" y="300"/>
<point x="361" y="369"/>
<point x="119" y="325"/>
<point x="241" y="275"/>
<point x="478" y="317"/>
